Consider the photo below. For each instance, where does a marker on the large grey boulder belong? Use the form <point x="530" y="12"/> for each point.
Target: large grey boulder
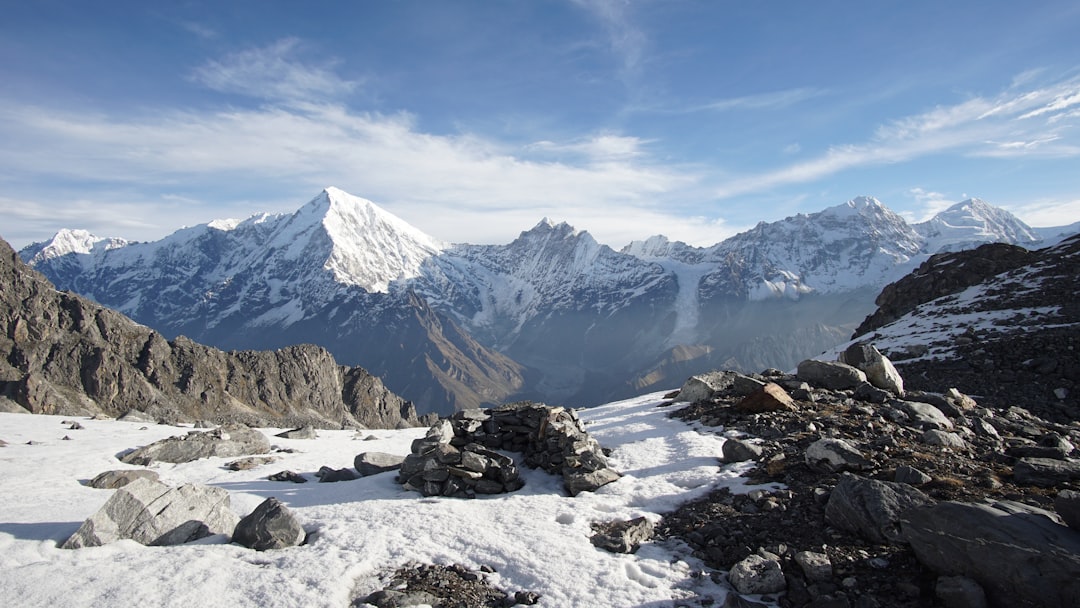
<point x="878" y="369"/>
<point x="872" y="508"/>
<point x="703" y="386"/>
<point x="227" y="441"/>
<point x="270" y="526"/>
<point x="831" y="455"/>
<point x="1019" y="555"/>
<point x="152" y="513"/>
<point x="832" y="375"/>
<point x="373" y="463"/>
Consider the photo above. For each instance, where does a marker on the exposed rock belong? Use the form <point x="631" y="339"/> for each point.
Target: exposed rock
<point x="270" y="526"/>
<point x="757" y="574"/>
<point x="738" y="450"/>
<point x="622" y="536"/>
<point x="815" y="566"/>
<point x="924" y="415"/>
<point x="304" y="432"/>
<point x="246" y="464"/>
<point x="910" y="475"/>
<point x="227" y="441"/>
<point x="942" y="439"/>
<point x="832" y="375"/>
<point x="373" y="463"/>
<point x="704" y="386"/>
<point x="152" y="513"/>
<point x="1019" y="555"/>
<point x="960" y="592"/>
<point x="769" y="398"/>
<point x="578" y="480"/>
<point x="68" y="355"/>
<point x="1067" y="505"/>
<point x="872" y="508"/>
<point x="452" y="586"/>
<point x="1045" y="472"/>
<point x="835" y="455"/>
<point x="879" y="371"/>
<point x="288" y="476"/>
<point x="110" y="480"/>
<point x="332" y="475"/>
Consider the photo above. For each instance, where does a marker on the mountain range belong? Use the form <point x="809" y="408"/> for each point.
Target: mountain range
<point x="552" y="316"/>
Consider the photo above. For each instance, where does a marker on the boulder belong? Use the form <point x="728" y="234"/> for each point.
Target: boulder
<point x="832" y="455"/>
<point x="110" y="480"/>
<point x="1067" y="505"/>
<point x="943" y="439"/>
<point x="331" y="475"/>
<point x="226" y="441"/>
<point x="738" y="450"/>
<point x="815" y="566"/>
<point x="960" y="592"/>
<point x="1045" y="472"/>
<point x="879" y="371"/>
<point x="769" y="398"/>
<point x="832" y="375"/>
<point x="373" y="463"/>
<point x="703" y="386"/>
<point x="622" y="536"/>
<point x="757" y="574"/>
<point x="577" y="481"/>
<point x="910" y="475"/>
<point x="270" y="526"/>
<point x="152" y="513"/>
<point x="1018" y="554"/>
<point x="923" y="415"/>
<point x="872" y="508"/>
<point x="304" y="432"/>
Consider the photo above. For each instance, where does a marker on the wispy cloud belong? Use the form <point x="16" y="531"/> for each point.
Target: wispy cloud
<point x="273" y="73"/>
<point x="774" y="100"/>
<point x="626" y="39"/>
<point x="1013" y="123"/>
<point x="931" y="203"/>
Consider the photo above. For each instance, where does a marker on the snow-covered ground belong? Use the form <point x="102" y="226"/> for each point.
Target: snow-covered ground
<point x="536" y="539"/>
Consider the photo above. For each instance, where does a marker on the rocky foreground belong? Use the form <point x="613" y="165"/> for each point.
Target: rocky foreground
<point x="888" y="498"/>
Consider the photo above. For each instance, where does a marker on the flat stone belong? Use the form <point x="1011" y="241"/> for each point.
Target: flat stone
<point x="832" y="375"/>
<point x="769" y="398"/>
<point x="578" y="481"/>
<point x="373" y="463"/>
<point x="1045" y="472"/>
<point x="832" y="455"/>
<point x="227" y="441"/>
<point x="304" y="432"/>
<point x="110" y="480"/>
<point x="924" y="415"/>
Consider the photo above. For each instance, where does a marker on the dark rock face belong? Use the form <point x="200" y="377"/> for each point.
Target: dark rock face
<point x="941" y="275"/>
<point x="872" y="508"/>
<point x="270" y="526"/>
<point x="62" y="354"/>
<point x="1018" y="555"/>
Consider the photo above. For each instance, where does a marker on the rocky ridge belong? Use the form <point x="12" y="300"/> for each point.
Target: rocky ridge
<point x="63" y="354"/>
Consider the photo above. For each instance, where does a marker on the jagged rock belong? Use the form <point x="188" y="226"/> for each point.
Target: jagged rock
<point x="871" y="394"/>
<point x="270" y="526"/>
<point x="332" y="475"/>
<point x="578" y="480"/>
<point x="152" y="513"/>
<point x="622" y="536"/>
<point x="832" y="375"/>
<point x="1017" y="553"/>
<point x="769" y="398"/>
<point x="373" y="463"/>
<point x="703" y="386"/>
<point x="833" y="455"/>
<point x="227" y="441"/>
<point x="960" y="592"/>
<point x="68" y="355"/>
<point x="757" y="574"/>
<point x="815" y="566"/>
<point x="737" y="450"/>
<point x="1067" y="505"/>
<point x="924" y="415"/>
<point x="911" y="476"/>
<point x="246" y="464"/>
<point x="942" y="439"/>
<point x="872" y="508"/>
<point x="879" y="371"/>
<point x="1045" y="472"/>
<point x="304" y="432"/>
<point x="288" y="476"/>
<point x="110" y="480"/>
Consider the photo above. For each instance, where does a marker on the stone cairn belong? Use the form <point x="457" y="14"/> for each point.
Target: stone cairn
<point x="457" y="457"/>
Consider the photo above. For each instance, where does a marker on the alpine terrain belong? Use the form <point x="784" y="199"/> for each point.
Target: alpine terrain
<point x="553" y="315"/>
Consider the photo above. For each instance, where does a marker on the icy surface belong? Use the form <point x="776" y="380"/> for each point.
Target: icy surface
<point x="536" y="539"/>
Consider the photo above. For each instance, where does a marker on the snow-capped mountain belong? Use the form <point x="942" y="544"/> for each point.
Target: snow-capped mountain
<point x="553" y="315"/>
<point x="971" y="223"/>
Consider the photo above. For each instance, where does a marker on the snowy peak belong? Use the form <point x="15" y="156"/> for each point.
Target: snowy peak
<point x="971" y="223"/>
<point x="67" y="242"/>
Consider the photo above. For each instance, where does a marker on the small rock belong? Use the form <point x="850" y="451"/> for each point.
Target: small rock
<point x="304" y="432"/>
<point x="1045" y="472"/>
<point x="815" y="566"/>
<point x="910" y="475"/>
<point x="757" y="574"/>
<point x="622" y="536"/>
<point x="769" y="398"/>
<point x="246" y="464"/>
<point x="527" y="598"/>
<point x="288" y="476"/>
<point x="331" y="475"/>
<point x="270" y="526"/>
<point x="943" y="439"/>
<point x="833" y="455"/>
<point x="924" y="415"/>
<point x="738" y="450"/>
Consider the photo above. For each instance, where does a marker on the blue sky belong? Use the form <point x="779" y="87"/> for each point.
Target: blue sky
<point x="475" y="119"/>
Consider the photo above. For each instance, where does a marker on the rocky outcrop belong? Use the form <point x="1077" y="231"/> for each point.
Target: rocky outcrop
<point x="941" y="275"/>
<point x="63" y="354"/>
<point x="228" y="441"/>
<point x="152" y="513"/>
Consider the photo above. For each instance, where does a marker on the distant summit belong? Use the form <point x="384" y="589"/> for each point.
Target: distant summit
<point x="972" y="223"/>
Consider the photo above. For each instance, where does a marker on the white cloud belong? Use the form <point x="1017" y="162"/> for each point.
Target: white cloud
<point x="930" y="204"/>
<point x="273" y="73"/>
<point x="627" y="41"/>
<point x="1048" y="212"/>
<point x="763" y="101"/>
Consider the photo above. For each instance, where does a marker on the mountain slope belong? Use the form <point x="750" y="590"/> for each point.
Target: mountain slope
<point x="974" y="222"/>
<point x="62" y="354"/>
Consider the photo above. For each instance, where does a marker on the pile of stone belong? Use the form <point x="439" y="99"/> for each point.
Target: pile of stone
<point x="892" y="497"/>
<point x="457" y="457"/>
